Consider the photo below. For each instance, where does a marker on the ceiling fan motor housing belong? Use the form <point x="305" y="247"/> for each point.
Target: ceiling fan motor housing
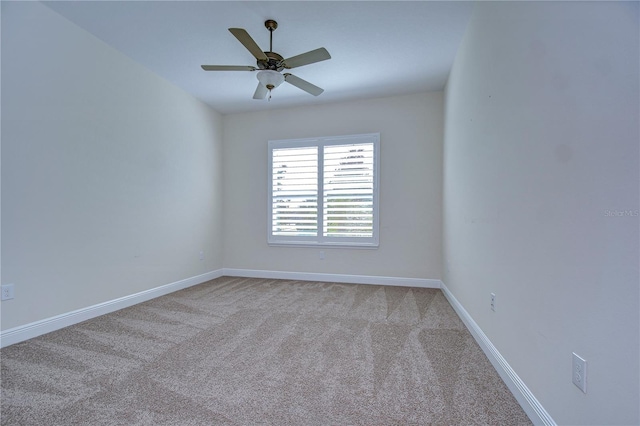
<point x="274" y="62"/>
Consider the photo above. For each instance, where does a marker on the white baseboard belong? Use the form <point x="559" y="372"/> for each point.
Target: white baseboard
<point x="520" y="391"/>
<point x="333" y="278"/>
<point x="34" y="329"/>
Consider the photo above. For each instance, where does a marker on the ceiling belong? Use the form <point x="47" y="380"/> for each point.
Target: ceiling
<point x="378" y="48"/>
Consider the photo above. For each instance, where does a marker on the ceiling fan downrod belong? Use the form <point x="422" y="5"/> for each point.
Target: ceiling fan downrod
<point x="271" y="25"/>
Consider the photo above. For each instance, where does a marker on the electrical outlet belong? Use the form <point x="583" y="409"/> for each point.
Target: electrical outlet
<point x="493" y="302"/>
<point x="7" y="292"/>
<point x="321" y="254"/>
<point x="579" y="372"/>
<point x="201" y="255"/>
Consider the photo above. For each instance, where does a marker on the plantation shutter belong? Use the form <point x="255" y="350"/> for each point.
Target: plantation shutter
<point x="348" y="190"/>
<point x="324" y="191"/>
<point x="295" y="191"/>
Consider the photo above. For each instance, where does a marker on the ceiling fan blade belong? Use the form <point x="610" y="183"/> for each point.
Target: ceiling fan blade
<point x="246" y="40"/>
<point x="228" y="68"/>
<point x="261" y="92"/>
<point x="303" y="84"/>
<point x="310" y="57"/>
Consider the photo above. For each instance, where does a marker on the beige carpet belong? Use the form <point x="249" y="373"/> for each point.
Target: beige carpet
<point x="249" y="351"/>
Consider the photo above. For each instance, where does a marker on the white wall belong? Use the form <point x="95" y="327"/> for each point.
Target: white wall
<point x="111" y="177"/>
<point x="541" y="150"/>
<point x="410" y="187"/>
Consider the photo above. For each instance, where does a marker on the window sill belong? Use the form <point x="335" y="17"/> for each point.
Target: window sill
<point x="310" y="244"/>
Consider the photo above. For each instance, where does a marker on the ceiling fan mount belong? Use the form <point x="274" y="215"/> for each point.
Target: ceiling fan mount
<point x="271" y="63"/>
<point x="271" y="25"/>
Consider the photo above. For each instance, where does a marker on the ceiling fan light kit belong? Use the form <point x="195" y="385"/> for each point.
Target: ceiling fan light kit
<point x="271" y="63"/>
<point x="270" y="79"/>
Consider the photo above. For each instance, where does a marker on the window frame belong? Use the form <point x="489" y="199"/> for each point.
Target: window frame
<point x="319" y="240"/>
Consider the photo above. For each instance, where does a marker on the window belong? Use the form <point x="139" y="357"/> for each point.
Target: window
<point x="324" y="191"/>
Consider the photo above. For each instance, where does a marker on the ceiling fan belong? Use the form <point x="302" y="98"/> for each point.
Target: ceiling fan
<point x="271" y="63"/>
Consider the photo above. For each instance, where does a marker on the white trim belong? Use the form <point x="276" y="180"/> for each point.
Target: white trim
<point x="37" y="328"/>
<point x="520" y="391"/>
<point x="333" y="278"/>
